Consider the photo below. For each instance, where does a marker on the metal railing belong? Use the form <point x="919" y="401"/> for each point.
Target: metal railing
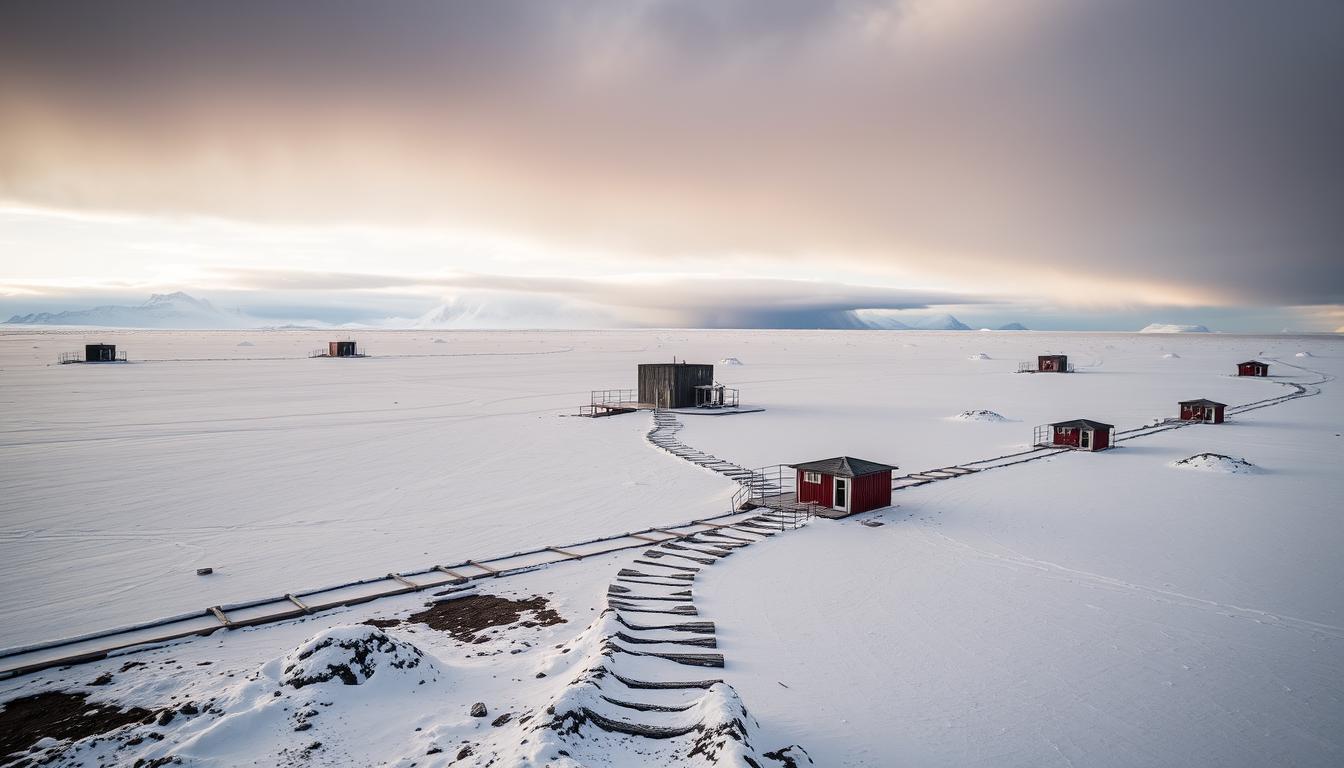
<point x="715" y="396"/>
<point x="1029" y="366"/>
<point x="66" y="358"/>
<point x="602" y="402"/>
<point x="775" y="488"/>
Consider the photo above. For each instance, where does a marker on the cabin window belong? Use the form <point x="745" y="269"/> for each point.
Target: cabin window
<point x="811" y="477"/>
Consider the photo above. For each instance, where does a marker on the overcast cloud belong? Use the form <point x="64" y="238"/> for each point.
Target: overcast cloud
<point x="1144" y="151"/>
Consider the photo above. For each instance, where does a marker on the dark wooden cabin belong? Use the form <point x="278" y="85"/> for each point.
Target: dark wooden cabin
<point x="1252" y="368"/>
<point x="341" y="349"/>
<point x="1082" y="434"/>
<point x="1052" y="363"/>
<point x="100" y="353"/>
<point x="846" y="485"/>
<point x="673" y="385"/>
<point x="1204" y="410"/>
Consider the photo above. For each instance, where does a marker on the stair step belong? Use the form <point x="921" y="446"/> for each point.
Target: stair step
<point x="648" y="684"/>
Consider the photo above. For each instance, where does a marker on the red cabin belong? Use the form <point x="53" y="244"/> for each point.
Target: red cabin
<point x="1082" y="434"/>
<point x="1203" y="410"/>
<point x="846" y="485"/>
<point x="1252" y="368"/>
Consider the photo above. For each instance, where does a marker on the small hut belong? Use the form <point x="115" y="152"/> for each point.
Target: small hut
<point x="341" y="349"/>
<point x="1252" y="368"/>
<point x="673" y="385"/>
<point x="715" y="396"/>
<point x="846" y="485"/>
<point x="1202" y="410"/>
<point x="1046" y="364"/>
<point x="1080" y="434"/>
<point x="1052" y="363"/>
<point x="100" y="353"/>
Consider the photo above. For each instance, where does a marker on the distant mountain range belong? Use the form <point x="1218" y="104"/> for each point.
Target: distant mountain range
<point x="1172" y="328"/>
<point x="163" y="310"/>
<point x="886" y="322"/>
<point x="182" y="311"/>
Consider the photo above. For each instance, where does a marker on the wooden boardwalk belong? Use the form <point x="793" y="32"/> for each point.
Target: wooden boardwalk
<point x="90" y="647"/>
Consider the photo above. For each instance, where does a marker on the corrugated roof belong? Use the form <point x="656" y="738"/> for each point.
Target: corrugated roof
<point x="844" y="466"/>
<point x="1203" y="401"/>
<point x="1090" y="424"/>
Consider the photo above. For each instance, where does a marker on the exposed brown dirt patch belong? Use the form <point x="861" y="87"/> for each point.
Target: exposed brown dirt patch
<point x="464" y="617"/>
<point x="25" y="721"/>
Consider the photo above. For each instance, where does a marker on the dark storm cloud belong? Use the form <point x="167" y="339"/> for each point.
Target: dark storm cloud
<point x="1191" y="146"/>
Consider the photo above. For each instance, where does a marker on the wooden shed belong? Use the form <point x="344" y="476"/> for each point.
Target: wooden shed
<point x="1052" y="363"/>
<point x="1204" y="410"/>
<point x="1252" y="368"/>
<point x="846" y="485"/>
<point x="100" y="353"/>
<point x="1082" y="434"/>
<point x="673" y="385"/>
<point x="341" y="349"/>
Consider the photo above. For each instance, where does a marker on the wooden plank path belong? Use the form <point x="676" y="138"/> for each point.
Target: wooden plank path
<point x="90" y="647"/>
<point x="916" y="479"/>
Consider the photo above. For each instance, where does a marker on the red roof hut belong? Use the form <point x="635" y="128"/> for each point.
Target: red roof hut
<point x="1252" y="368"/>
<point x="846" y="485"/>
<point x="1082" y="434"/>
<point x="1203" y="410"/>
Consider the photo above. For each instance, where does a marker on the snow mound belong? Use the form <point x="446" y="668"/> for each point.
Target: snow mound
<point x="730" y="361"/>
<point x="246" y="344"/>
<point x="1171" y="356"/>
<point x="1304" y="354"/>
<point x="978" y="356"/>
<point x="351" y="654"/>
<point x="1216" y="462"/>
<point x="1173" y="328"/>
<point x="439" y="341"/>
<point x="581" y="724"/>
<point x="979" y="415"/>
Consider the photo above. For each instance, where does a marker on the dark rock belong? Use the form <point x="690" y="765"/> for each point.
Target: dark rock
<point x="478" y="709"/>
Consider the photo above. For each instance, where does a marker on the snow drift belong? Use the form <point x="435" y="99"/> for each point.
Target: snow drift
<point x="980" y="415"/>
<point x="1217" y="463"/>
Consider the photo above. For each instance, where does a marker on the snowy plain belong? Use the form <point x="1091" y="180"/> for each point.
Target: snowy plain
<point x="1098" y="609"/>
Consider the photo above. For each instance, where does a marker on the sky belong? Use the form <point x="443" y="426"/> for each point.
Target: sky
<point x="717" y="163"/>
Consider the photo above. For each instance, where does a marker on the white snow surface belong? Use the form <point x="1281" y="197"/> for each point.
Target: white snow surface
<point x="1128" y="616"/>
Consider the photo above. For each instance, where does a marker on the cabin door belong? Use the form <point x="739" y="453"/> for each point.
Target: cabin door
<point x="842" y="494"/>
<point x="1085" y="439"/>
